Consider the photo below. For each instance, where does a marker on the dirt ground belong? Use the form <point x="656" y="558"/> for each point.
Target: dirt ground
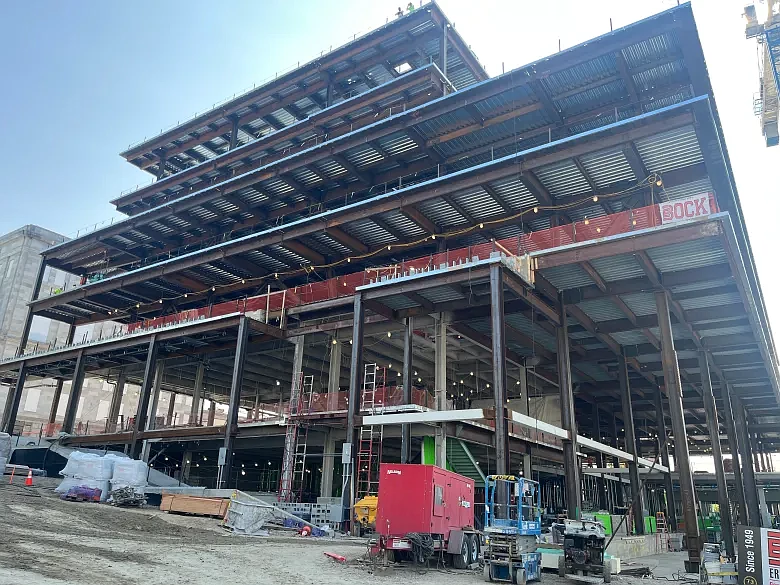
<point x="46" y="541"/>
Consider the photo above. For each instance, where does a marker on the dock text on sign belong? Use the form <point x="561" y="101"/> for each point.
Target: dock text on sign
<point x="684" y="209"/>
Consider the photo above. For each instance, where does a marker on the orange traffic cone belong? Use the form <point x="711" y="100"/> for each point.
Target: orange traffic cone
<point x="28" y="481"/>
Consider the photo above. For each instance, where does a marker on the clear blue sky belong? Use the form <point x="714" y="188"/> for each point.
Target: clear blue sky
<point x="84" y="79"/>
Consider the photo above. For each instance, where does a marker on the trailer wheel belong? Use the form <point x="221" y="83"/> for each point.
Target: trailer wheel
<point x="562" y="566"/>
<point x="473" y="548"/>
<point x="520" y="577"/>
<point x="461" y="561"/>
<point x="486" y="572"/>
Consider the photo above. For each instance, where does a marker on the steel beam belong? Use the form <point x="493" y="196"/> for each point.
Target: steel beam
<point x="144" y="395"/>
<point x="406" y="430"/>
<point x="752" y="510"/>
<point x="75" y="394"/>
<point x="727" y="527"/>
<point x="568" y="420"/>
<point x="498" y="336"/>
<point x="682" y="457"/>
<point x="637" y="491"/>
<point x="663" y="445"/>
<point x="231" y="425"/>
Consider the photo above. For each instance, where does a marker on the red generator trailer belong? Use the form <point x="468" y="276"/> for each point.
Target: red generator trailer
<point x="425" y="511"/>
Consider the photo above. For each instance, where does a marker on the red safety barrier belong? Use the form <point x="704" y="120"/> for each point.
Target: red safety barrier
<point x="341" y="286"/>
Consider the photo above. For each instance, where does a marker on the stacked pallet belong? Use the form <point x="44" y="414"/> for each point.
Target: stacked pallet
<point x="197" y="506"/>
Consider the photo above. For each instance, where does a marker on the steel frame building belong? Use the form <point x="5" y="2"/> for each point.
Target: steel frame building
<point x="489" y="239"/>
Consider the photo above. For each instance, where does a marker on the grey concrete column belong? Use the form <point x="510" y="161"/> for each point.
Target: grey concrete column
<point x="212" y="413"/>
<point x="13" y="400"/>
<point x="144" y="395"/>
<point x="571" y="464"/>
<point x="731" y="434"/>
<point x="663" y="445"/>
<point x="197" y="394"/>
<point x="328" y="458"/>
<point x="75" y="394"/>
<point x="151" y="421"/>
<point x="711" y="411"/>
<point x="638" y="506"/>
<point x="353" y="403"/>
<point x="440" y="387"/>
<point x="498" y="338"/>
<point x="171" y="408"/>
<point x="328" y="451"/>
<point x="753" y="513"/>
<point x="682" y="460"/>
<point x="116" y="401"/>
<point x="231" y="425"/>
<point x="406" y="429"/>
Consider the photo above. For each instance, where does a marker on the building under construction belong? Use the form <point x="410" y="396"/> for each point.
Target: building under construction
<point x="386" y="254"/>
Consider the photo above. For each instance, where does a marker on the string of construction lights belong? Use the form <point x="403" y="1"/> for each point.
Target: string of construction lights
<point x="652" y="180"/>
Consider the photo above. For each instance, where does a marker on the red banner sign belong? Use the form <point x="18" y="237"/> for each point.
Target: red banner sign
<point x="684" y="209"/>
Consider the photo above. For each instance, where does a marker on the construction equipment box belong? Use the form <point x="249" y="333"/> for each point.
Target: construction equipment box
<point x="423" y="498"/>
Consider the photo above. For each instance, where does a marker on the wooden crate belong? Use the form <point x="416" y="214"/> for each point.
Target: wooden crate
<point x="194" y="505"/>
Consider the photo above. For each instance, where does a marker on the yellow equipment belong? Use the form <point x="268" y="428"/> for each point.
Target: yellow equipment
<point x="365" y="511"/>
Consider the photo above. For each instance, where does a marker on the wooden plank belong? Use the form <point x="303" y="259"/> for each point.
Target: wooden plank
<point x="194" y="505"/>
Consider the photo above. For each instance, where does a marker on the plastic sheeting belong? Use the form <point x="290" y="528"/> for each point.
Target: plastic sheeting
<point x="129" y="472"/>
<point x="70" y="482"/>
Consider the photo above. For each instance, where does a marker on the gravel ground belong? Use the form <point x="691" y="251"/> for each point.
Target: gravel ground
<point x="46" y="541"/>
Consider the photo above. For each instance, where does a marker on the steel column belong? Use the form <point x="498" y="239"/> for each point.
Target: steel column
<point x="25" y="335"/>
<point x="663" y="445"/>
<point x="525" y="409"/>
<point x="571" y="464"/>
<point x="233" y="132"/>
<point x="12" y="402"/>
<point x="406" y="429"/>
<point x="328" y="458"/>
<point x="55" y="402"/>
<point x="638" y="506"/>
<point x="171" y="407"/>
<point x="731" y="434"/>
<point x="440" y="387"/>
<point x="116" y="401"/>
<point x="151" y="421"/>
<point x="353" y="404"/>
<point x="616" y="460"/>
<point x="499" y="366"/>
<point x="75" y="394"/>
<point x="682" y="460"/>
<point x="144" y="395"/>
<point x="752" y="510"/>
<point x="601" y="484"/>
<point x="231" y="425"/>
<point x="161" y="169"/>
<point x="727" y="527"/>
<point x="443" y="52"/>
<point x="212" y="413"/>
<point x="197" y="394"/>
